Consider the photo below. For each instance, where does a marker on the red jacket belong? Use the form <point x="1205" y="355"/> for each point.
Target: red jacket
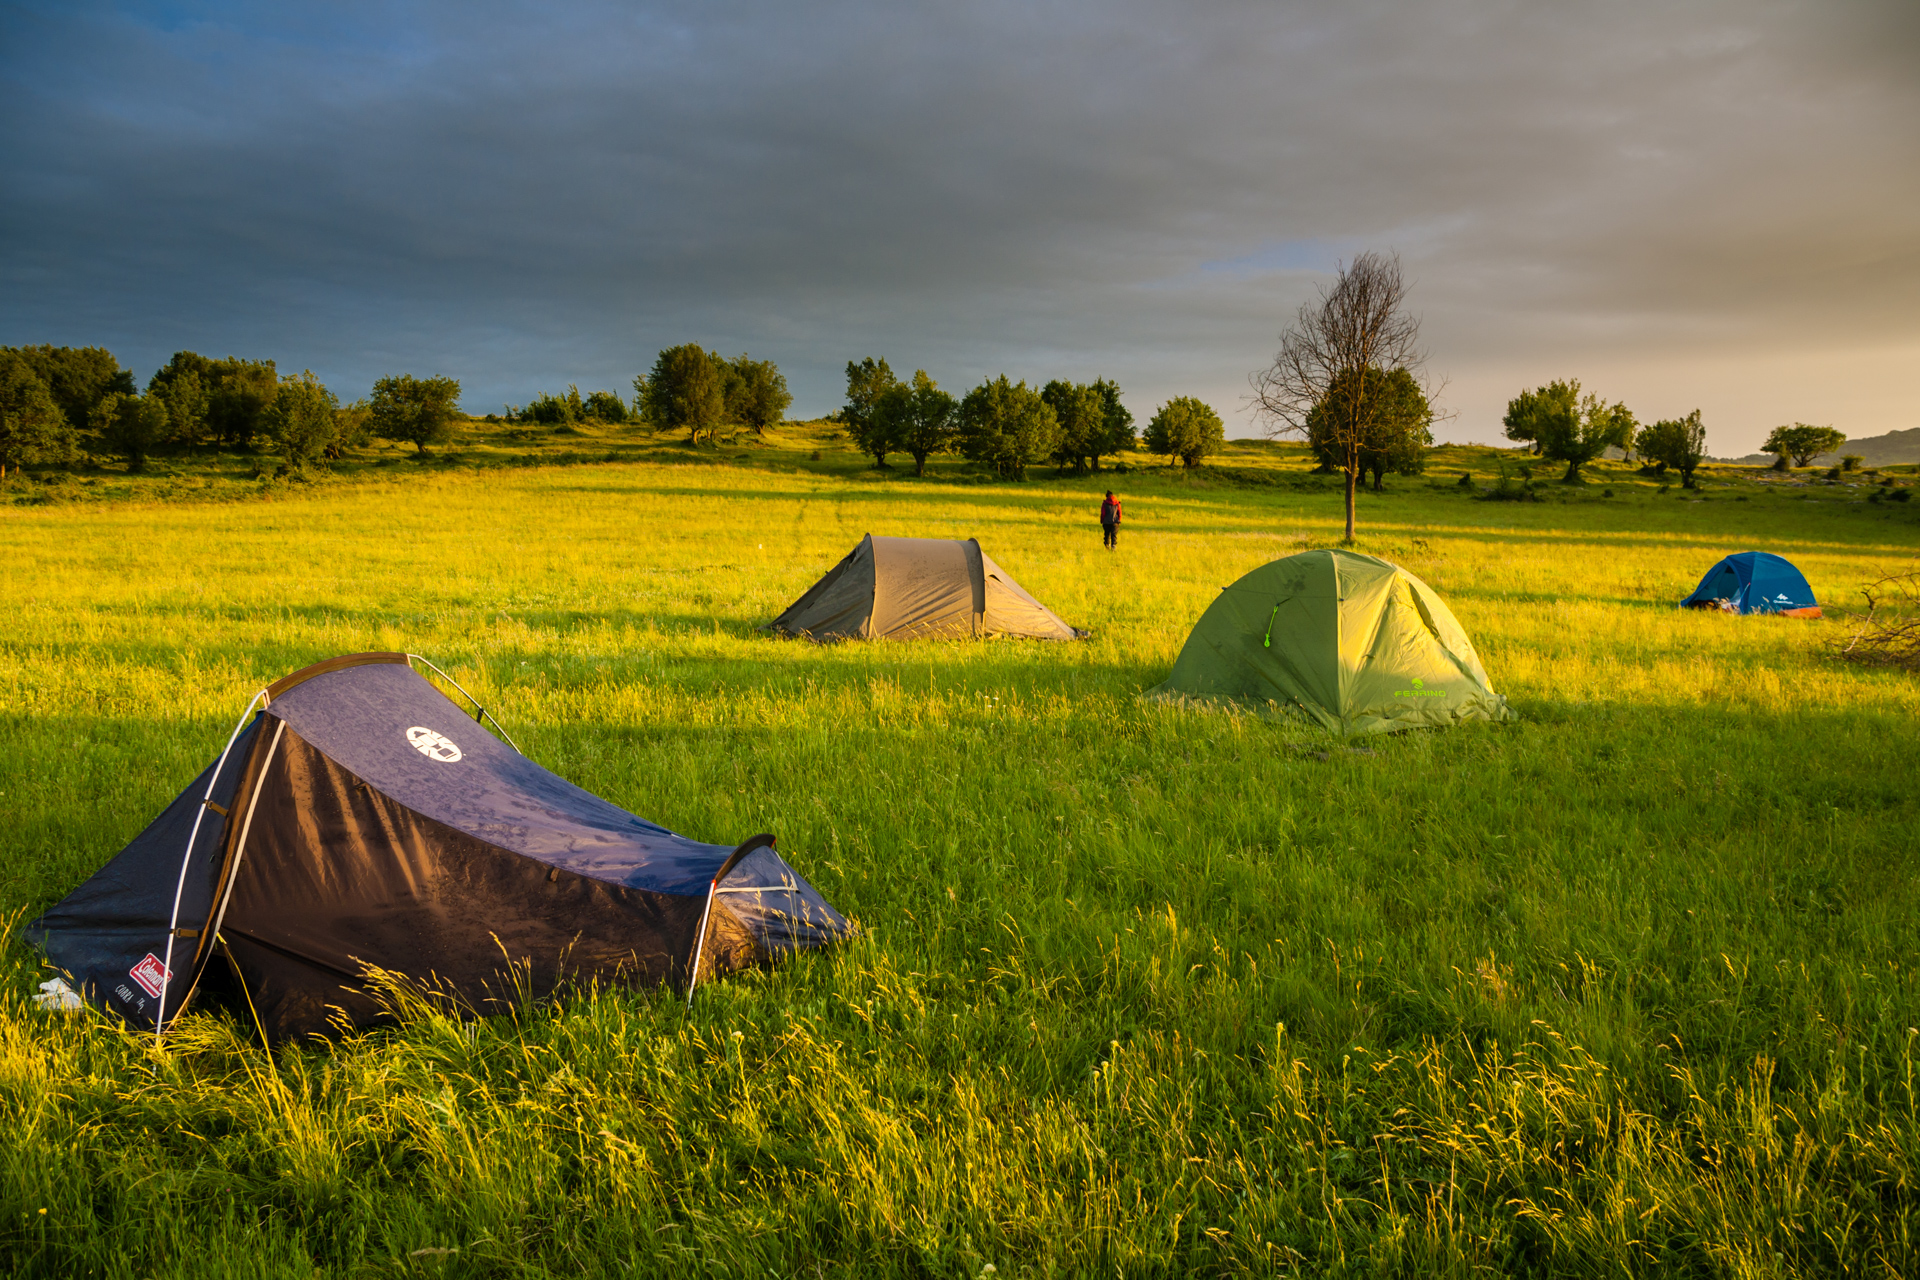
<point x="1110" y="511"/>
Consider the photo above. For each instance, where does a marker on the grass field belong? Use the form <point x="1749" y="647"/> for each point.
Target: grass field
<point x="1624" y="988"/>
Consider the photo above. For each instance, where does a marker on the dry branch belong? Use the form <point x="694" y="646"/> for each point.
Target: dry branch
<point x="1889" y="631"/>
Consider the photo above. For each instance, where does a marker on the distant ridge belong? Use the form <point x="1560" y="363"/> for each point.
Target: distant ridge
<point x="1878" y="451"/>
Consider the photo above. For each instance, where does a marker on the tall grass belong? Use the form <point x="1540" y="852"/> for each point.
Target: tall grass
<point x="1622" y="988"/>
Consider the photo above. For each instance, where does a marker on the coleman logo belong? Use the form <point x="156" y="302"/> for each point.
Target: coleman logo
<point x="1419" y="690"/>
<point x="151" y="975"/>
<point x="434" y="746"/>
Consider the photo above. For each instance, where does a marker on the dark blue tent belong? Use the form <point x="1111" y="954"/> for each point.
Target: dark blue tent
<point x="360" y="829"/>
<point x="1755" y="582"/>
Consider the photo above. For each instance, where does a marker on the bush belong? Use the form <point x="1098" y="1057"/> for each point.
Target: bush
<point x="1851" y="462"/>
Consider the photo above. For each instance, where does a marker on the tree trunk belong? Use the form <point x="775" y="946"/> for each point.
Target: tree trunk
<point x="919" y="464"/>
<point x="1573" y="473"/>
<point x="1352" y="476"/>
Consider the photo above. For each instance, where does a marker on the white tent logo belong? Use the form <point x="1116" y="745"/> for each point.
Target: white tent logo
<point x="434" y="746"/>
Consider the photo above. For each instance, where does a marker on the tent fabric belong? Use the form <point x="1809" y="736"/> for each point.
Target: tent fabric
<point x="919" y="589"/>
<point x="367" y="830"/>
<point x="1351" y="642"/>
<point x="1755" y="582"/>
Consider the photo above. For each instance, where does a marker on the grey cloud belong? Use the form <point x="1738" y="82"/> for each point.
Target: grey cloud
<point x="525" y="196"/>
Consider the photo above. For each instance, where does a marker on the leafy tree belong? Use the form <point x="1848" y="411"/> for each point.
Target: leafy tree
<point x="1007" y="425"/>
<point x="238" y="397"/>
<point x="215" y="401"/>
<point x="418" y="411"/>
<point x="1400" y="435"/>
<point x="686" y="390"/>
<point x="1118" y="436"/>
<point x="1803" y="443"/>
<point x="917" y="418"/>
<point x="557" y="411"/>
<point x="1332" y="360"/>
<point x="185" y="395"/>
<point x="32" y="426"/>
<point x="548" y="411"/>
<point x="1568" y="427"/>
<point x="1187" y="429"/>
<point x="867" y="381"/>
<point x="604" y="406"/>
<point x="352" y="428"/>
<point x="1082" y="413"/>
<point x="303" y="420"/>
<point x="78" y="379"/>
<point x="1680" y="443"/>
<point x="131" y="427"/>
<point x="757" y="394"/>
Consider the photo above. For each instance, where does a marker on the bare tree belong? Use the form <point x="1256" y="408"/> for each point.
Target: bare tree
<point x="1338" y="358"/>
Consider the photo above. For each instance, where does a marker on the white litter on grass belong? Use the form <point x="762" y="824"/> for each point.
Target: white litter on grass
<point x="57" y="997"/>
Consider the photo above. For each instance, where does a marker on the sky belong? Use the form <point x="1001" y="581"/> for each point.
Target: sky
<point x="1683" y="205"/>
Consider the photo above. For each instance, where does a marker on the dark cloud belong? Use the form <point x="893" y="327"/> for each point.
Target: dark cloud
<point x="1683" y="204"/>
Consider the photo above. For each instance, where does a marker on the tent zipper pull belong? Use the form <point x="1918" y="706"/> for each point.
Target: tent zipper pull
<point x="1268" y="642"/>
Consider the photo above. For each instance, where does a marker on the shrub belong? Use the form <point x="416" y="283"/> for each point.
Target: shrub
<point x="1851" y="462"/>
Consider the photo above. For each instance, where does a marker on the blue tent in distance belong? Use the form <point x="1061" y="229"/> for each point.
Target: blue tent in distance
<point x="1755" y="582"/>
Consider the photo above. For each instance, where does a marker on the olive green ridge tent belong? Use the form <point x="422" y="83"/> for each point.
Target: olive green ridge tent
<point x="918" y="589"/>
<point x="1354" y="643"/>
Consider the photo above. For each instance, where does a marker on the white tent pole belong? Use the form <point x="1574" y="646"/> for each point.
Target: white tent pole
<point x="733" y="860"/>
<point x="179" y="888"/>
<point x="700" y="942"/>
<point x="240" y="844"/>
<point x="469" y="697"/>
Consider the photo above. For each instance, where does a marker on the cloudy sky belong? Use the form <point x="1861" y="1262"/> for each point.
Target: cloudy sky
<point x="1712" y="205"/>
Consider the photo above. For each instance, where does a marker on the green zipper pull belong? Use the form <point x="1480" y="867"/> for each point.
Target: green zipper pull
<point x="1268" y="642"/>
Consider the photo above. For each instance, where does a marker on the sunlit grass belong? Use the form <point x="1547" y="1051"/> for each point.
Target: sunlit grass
<point x="1623" y="987"/>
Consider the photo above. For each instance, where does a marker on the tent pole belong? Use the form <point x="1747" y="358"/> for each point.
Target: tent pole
<point x="478" y="710"/>
<point x="246" y="826"/>
<point x="179" y="888"/>
<point x="762" y="841"/>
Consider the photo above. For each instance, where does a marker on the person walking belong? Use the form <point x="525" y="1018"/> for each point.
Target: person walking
<point x="1110" y="521"/>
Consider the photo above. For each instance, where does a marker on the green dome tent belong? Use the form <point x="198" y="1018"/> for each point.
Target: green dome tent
<point x="1356" y="644"/>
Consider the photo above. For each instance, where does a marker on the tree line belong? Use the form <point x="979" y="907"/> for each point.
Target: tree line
<point x="688" y="389"/>
<point x="1010" y="426"/>
<point x="57" y="403"/>
<point x="1567" y="426"/>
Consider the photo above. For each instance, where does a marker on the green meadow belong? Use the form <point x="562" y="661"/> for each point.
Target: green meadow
<point x="1626" y="987"/>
